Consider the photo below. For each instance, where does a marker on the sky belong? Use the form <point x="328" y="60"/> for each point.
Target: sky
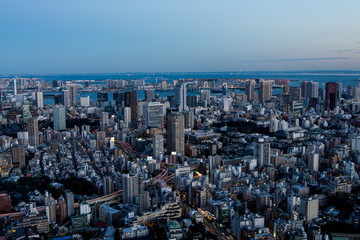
<point x="113" y="36"/>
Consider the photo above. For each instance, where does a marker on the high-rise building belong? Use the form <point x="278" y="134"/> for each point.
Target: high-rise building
<point x="26" y="111"/>
<point x="59" y="118"/>
<point x="130" y="100"/>
<point x="309" y="89"/>
<point x="23" y="138"/>
<point x="295" y="93"/>
<point x="189" y="120"/>
<point x="118" y="98"/>
<point x="250" y="89"/>
<point x="84" y="208"/>
<point x="130" y="184"/>
<point x="127" y="114"/>
<point x="331" y="93"/>
<point x="144" y="201"/>
<point x="153" y="114"/>
<point x="287" y="103"/>
<point x="66" y="98"/>
<point x="108" y="186"/>
<point x="339" y="90"/>
<point x="357" y="93"/>
<point x="33" y="129"/>
<point x="214" y="164"/>
<point x="310" y="208"/>
<point x="72" y="91"/>
<point x="15" y="88"/>
<point x="63" y="209"/>
<point x="50" y="209"/>
<point x="227" y="103"/>
<point x="18" y="156"/>
<point x="265" y="90"/>
<point x="149" y="95"/>
<point x="262" y="152"/>
<point x="225" y="90"/>
<point x="102" y="97"/>
<point x="104" y="121"/>
<point x="70" y="202"/>
<point x="204" y="95"/>
<point x="176" y="137"/>
<point x="313" y="162"/>
<point x="39" y="100"/>
<point x="158" y="147"/>
<point x="180" y="97"/>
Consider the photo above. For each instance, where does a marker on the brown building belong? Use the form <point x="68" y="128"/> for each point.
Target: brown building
<point x="176" y="136"/>
<point x="5" y="203"/>
<point x="250" y="90"/>
<point x="18" y="156"/>
<point x="331" y="91"/>
<point x="265" y="90"/>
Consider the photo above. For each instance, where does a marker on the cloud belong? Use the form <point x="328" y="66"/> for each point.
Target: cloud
<point x="298" y="59"/>
<point x="342" y="50"/>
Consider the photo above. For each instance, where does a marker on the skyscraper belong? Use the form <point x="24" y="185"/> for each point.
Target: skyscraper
<point x="309" y="89"/>
<point x="39" y="100"/>
<point x="331" y="92"/>
<point x="189" y="120"/>
<point x="265" y="90"/>
<point x="250" y="89"/>
<point x="214" y="163"/>
<point x="295" y="93"/>
<point x="262" y="153"/>
<point x="180" y="97"/>
<point x="108" y="186"/>
<point x="149" y="95"/>
<point x="33" y="129"/>
<point x="158" y="147"/>
<point x="63" y="209"/>
<point x="144" y="201"/>
<point x="130" y="100"/>
<point x="50" y="209"/>
<point x="313" y="162"/>
<point x="127" y="114"/>
<point x="104" y="121"/>
<point x="26" y="111"/>
<point x="66" y="98"/>
<point x="176" y="137"/>
<point x="15" y="88"/>
<point x="70" y="202"/>
<point x="72" y="91"/>
<point x="130" y="184"/>
<point x="59" y="118"/>
<point x="153" y="114"/>
<point x="18" y="156"/>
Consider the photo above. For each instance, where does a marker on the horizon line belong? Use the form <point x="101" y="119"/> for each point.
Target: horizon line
<point x="180" y="72"/>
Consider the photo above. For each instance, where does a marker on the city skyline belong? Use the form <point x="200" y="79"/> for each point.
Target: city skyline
<point x="161" y="36"/>
<point x="207" y="119"/>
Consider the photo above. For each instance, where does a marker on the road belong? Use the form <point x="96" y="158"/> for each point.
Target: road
<point x="218" y="233"/>
<point x="213" y="229"/>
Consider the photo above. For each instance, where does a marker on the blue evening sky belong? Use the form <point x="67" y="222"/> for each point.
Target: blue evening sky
<point x="88" y="36"/>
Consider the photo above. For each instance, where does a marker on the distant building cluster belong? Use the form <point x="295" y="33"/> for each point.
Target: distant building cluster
<point x="181" y="159"/>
